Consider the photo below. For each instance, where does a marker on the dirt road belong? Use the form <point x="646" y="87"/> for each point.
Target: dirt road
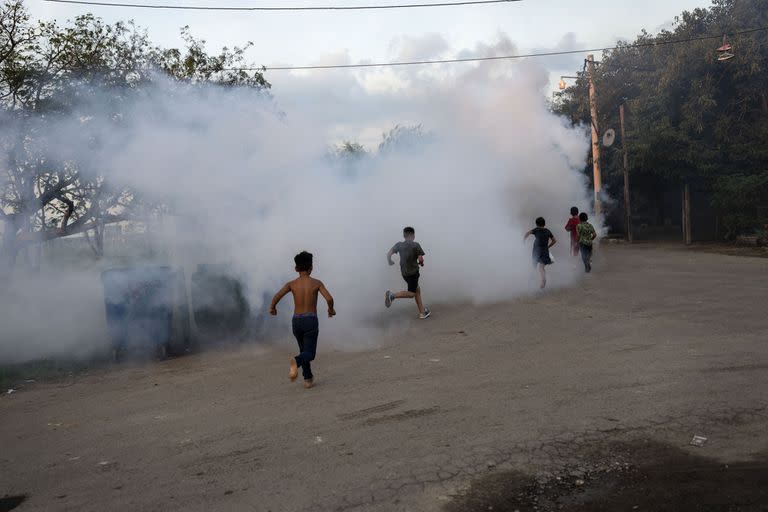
<point x="542" y="400"/>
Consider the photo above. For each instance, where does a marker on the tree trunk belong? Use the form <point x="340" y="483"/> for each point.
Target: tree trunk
<point x="687" y="235"/>
<point x="100" y="240"/>
<point x="717" y="227"/>
<point x="67" y="214"/>
<point x="10" y="249"/>
<point x="97" y="242"/>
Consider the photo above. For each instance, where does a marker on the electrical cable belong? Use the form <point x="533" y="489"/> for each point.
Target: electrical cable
<point x="499" y="57"/>
<point x="296" y="8"/>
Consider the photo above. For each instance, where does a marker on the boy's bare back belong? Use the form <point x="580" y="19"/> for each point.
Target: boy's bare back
<point x="305" y="290"/>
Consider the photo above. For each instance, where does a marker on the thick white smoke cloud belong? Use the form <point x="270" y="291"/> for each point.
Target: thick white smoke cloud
<point x="252" y="188"/>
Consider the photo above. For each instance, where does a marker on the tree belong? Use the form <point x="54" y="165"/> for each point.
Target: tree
<point x="692" y="119"/>
<point x="403" y="138"/>
<point x="16" y="40"/>
<point x="50" y="72"/>
<point x="195" y="65"/>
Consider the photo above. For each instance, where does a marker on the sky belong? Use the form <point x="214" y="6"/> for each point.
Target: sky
<point x="302" y="37"/>
<point x="342" y="37"/>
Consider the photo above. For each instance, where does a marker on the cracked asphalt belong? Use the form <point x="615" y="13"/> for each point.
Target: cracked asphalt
<point x="657" y="345"/>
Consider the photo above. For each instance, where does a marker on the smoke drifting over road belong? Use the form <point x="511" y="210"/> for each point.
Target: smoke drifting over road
<point x="252" y="187"/>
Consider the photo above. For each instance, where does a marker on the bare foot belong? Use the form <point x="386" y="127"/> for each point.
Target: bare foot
<point x="294" y="371"/>
<point x="308" y="384"/>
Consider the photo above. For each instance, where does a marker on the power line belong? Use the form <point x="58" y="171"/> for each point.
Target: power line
<point x="297" y="8"/>
<point x="500" y="57"/>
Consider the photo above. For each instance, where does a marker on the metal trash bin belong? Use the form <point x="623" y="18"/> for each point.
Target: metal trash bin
<point x="219" y="305"/>
<point x="147" y="309"/>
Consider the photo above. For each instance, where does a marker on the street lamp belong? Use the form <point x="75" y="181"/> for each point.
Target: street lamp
<point x="562" y="85"/>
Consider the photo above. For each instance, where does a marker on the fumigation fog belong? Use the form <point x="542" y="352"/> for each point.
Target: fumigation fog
<point x="248" y="182"/>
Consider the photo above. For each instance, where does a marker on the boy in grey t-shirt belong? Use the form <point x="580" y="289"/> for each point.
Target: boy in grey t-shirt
<point x="411" y="258"/>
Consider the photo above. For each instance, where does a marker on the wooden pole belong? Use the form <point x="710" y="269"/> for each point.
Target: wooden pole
<point x="687" y="237"/>
<point x="596" y="175"/>
<point x="627" y="208"/>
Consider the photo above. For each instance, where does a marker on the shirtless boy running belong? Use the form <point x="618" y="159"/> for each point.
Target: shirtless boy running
<point x="305" y="324"/>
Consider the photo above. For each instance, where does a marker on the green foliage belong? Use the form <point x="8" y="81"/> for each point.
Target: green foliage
<point x="349" y="155"/>
<point x="738" y="197"/>
<point x="349" y="150"/>
<point x="403" y="138"/>
<point x="196" y="65"/>
<point x="690" y="118"/>
<point x="49" y="71"/>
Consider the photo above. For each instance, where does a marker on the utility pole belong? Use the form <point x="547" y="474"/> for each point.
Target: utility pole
<point x="627" y="209"/>
<point x="597" y="177"/>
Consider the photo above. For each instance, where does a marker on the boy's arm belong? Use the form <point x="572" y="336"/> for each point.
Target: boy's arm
<point x="328" y="298"/>
<point x="594" y="233"/>
<point x="278" y="296"/>
<point x="420" y="254"/>
<point x="552" y="240"/>
<point x="389" y="256"/>
<point x="527" y="235"/>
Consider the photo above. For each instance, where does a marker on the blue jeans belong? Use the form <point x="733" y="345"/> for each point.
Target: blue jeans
<point x="586" y="257"/>
<point x="306" y="328"/>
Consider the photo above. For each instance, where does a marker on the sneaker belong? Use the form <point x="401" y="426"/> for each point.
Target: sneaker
<point x="425" y="314"/>
<point x="389" y="298"/>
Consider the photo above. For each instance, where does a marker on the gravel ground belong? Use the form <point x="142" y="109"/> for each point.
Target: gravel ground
<point x="579" y="399"/>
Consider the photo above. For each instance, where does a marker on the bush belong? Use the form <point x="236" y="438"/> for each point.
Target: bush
<point x="737" y="198"/>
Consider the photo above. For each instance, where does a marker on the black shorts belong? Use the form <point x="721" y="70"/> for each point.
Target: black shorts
<point x="541" y="256"/>
<point x="413" y="282"/>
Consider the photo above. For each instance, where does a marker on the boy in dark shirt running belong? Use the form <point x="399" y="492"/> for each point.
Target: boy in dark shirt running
<point x="305" y="324"/>
<point x="543" y="242"/>
<point x="411" y="258"/>
<point x="587" y="234"/>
